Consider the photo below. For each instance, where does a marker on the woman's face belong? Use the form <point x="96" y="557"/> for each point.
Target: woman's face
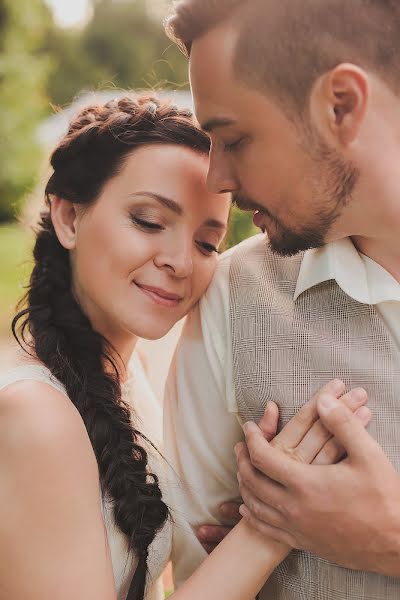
<point x="146" y="250"/>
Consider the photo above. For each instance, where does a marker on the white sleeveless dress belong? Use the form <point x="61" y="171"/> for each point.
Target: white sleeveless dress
<point x="148" y="420"/>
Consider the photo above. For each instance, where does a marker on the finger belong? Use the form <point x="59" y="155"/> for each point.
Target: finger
<point x="260" y="510"/>
<point x="292" y="434"/>
<point x="212" y="534"/>
<point x="230" y="512"/>
<point x="347" y="429"/>
<point x="274" y="533"/>
<point x="269" y="421"/>
<point x="262" y="487"/>
<point x="318" y="436"/>
<point x="333" y="451"/>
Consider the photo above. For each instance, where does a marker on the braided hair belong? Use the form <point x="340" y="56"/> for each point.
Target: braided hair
<point x="61" y="336"/>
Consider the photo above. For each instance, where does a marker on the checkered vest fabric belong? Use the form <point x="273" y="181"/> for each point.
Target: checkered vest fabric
<point x="285" y="351"/>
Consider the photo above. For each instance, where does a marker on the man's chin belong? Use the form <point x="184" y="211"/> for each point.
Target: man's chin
<point x="291" y="244"/>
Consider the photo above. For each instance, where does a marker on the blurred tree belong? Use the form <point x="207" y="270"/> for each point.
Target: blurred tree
<point x="123" y="45"/>
<point x="22" y="97"/>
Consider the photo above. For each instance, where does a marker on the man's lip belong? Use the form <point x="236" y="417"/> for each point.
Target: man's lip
<point x="160" y="292"/>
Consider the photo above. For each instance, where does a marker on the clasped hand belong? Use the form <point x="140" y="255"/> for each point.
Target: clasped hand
<point x="348" y="512"/>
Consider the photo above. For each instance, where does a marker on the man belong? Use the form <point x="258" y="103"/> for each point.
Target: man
<point x="301" y="100"/>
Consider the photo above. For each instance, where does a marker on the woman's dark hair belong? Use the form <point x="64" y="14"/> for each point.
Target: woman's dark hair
<point x="93" y="151"/>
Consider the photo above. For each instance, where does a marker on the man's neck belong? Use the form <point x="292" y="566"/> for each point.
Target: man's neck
<point x="384" y="251"/>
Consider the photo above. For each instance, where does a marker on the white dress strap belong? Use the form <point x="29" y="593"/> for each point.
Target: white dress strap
<point x="30" y="373"/>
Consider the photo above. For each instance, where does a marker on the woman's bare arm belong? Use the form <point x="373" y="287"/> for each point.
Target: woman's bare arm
<point x="243" y="561"/>
<point x="52" y="538"/>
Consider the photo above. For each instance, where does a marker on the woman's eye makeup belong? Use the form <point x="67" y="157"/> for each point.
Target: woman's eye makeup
<point x="206" y="248"/>
<point x="149" y="224"/>
<point x="146" y="223"/>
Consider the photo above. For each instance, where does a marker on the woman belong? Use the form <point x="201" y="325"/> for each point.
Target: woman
<point x="126" y="247"/>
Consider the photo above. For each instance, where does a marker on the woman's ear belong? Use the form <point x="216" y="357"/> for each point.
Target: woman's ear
<point x="64" y="218"/>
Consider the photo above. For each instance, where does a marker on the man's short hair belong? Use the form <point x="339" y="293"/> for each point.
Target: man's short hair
<point x="284" y="46"/>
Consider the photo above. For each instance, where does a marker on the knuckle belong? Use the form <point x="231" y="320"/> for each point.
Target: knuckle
<point x="306" y="417"/>
<point x="257" y="456"/>
<point x="297" y="454"/>
<point x="277" y="443"/>
<point x="293" y="512"/>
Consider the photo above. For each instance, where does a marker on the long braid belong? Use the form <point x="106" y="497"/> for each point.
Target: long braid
<point x="62" y="337"/>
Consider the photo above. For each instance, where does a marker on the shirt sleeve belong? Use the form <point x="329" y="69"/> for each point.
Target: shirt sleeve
<point x="201" y="425"/>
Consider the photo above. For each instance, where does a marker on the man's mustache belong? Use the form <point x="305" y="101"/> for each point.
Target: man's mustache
<point x="245" y="203"/>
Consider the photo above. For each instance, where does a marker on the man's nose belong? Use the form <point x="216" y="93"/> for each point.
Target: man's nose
<point x="220" y="177"/>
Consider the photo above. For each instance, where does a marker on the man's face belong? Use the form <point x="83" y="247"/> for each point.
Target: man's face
<point x="272" y="164"/>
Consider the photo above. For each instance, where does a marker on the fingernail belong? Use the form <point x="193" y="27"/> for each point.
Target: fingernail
<point x="363" y="414"/>
<point x="328" y="402"/>
<point x="244" y="511"/>
<point x="249" y="427"/>
<point x="236" y="449"/>
<point x="239" y="477"/>
<point x="337" y="386"/>
<point x="246" y="427"/>
<point x="357" y="395"/>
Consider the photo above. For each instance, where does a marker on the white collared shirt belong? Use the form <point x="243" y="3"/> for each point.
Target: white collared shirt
<point x="201" y="415"/>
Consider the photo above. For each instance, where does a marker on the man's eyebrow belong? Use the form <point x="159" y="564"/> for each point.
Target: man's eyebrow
<point x="212" y="124"/>
<point x="167" y="202"/>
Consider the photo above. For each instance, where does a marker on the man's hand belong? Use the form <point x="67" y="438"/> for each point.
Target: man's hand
<point x="348" y="512"/>
<point x="303" y="435"/>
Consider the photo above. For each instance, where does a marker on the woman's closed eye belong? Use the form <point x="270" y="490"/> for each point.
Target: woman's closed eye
<point x="207" y="248"/>
<point x="147" y="225"/>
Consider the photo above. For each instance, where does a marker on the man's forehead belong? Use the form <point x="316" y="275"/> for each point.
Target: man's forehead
<point x="212" y="79"/>
<point x="212" y="55"/>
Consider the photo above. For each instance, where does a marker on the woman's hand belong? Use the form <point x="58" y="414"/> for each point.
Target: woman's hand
<point x="304" y="439"/>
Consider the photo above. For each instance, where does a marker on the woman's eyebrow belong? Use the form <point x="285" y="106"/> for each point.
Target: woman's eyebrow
<point x="166" y="202"/>
<point x="215" y="224"/>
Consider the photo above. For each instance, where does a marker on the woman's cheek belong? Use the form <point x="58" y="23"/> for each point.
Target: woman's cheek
<point x="204" y="277"/>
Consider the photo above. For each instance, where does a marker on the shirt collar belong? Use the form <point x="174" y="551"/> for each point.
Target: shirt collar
<point x="357" y="275"/>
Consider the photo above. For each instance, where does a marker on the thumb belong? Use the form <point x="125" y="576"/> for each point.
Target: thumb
<point x="345" y="427"/>
<point x="269" y="421"/>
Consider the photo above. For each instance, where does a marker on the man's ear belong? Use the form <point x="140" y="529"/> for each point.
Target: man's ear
<point x="64" y="218"/>
<point x="339" y="102"/>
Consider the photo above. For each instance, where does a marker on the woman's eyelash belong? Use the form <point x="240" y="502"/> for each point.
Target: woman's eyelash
<point x="146" y="224"/>
<point x="208" y="247"/>
<point x="150" y="226"/>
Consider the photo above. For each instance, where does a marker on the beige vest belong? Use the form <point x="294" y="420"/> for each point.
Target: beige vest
<point x="285" y="351"/>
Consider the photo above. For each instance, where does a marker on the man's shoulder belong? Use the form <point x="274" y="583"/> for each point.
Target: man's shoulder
<point x="248" y="246"/>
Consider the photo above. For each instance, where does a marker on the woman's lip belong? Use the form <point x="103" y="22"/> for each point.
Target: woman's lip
<point x="160" y="296"/>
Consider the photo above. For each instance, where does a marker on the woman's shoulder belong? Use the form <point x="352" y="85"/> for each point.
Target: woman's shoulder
<point x="37" y="419"/>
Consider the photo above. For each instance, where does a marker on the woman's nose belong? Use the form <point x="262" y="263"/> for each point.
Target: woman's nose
<point x="178" y="259"/>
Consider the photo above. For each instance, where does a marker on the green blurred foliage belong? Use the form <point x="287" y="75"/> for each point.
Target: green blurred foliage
<point x="15" y="266"/>
<point x="241" y="227"/>
<point x="41" y="65"/>
<point x="121" y="46"/>
<point x="22" y="98"/>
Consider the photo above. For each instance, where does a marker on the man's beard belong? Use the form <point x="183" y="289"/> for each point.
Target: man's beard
<point x="333" y="181"/>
